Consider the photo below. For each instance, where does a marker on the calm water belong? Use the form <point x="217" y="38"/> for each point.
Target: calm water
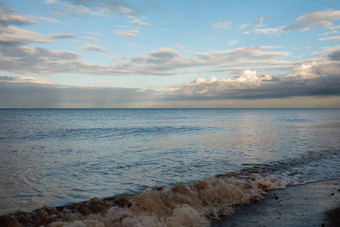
<point x="61" y="156"/>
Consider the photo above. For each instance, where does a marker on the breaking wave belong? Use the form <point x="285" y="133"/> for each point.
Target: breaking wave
<point x="192" y="204"/>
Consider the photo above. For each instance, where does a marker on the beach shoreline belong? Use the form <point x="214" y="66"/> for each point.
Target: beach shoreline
<point x="311" y="204"/>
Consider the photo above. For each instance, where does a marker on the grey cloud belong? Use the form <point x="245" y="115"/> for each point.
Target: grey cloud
<point x="314" y="79"/>
<point x="38" y="60"/>
<point x="35" y="95"/>
<point x="62" y="36"/>
<point x="334" y="55"/>
<point x="163" y="61"/>
<point x="9" y="18"/>
<point x="12" y="35"/>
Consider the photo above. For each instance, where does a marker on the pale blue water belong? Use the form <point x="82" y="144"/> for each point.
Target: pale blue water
<point x="61" y="156"/>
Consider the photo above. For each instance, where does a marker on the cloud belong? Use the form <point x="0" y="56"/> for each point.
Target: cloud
<point x="107" y="6"/>
<point x="51" y="1"/>
<point x="24" y="79"/>
<point x="268" y="31"/>
<point x="34" y="93"/>
<point x="314" y="77"/>
<point x="11" y="35"/>
<point x="222" y="25"/>
<point x="178" y="45"/>
<point x="62" y="36"/>
<point x="163" y="61"/>
<point x="91" y="7"/>
<point x="127" y="33"/>
<point x="233" y="43"/>
<point x="335" y="27"/>
<point x="331" y="53"/>
<point x="334" y="38"/>
<point x="91" y="47"/>
<point x="47" y="19"/>
<point x="309" y="79"/>
<point x="25" y="60"/>
<point x="321" y="19"/>
<point x="135" y="20"/>
<point x="244" y="53"/>
<point x="94" y="33"/>
<point x="8" y="18"/>
<point x="258" y="23"/>
<point x="89" y="38"/>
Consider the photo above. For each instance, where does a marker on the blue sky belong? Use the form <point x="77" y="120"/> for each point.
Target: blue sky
<point x="153" y="53"/>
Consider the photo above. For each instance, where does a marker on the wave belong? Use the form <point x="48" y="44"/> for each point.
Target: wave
<point x="90" y="133"/>
<point x="192" y="204"/>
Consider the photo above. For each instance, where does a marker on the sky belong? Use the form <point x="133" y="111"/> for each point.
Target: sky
<point x="169" y="54"/>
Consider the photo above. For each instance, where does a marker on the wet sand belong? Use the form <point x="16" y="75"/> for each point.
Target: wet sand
<point x="313" y="204"/>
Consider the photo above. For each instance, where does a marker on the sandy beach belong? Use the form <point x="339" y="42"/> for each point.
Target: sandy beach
<point x="313" y="204"/>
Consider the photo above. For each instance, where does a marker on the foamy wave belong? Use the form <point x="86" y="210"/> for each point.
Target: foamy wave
<point x="193" y="204"/>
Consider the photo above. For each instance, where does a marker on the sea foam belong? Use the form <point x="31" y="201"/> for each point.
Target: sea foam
<point x="192" y="204"/>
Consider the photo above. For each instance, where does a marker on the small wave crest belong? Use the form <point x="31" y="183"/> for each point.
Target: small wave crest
<point x="88" y="133"/>
<point x="192" y="204"/>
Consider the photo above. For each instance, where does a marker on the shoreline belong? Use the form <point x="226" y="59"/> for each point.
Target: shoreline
<point x="312" y="204"/>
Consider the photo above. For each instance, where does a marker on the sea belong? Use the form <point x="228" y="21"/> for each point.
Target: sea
<point x="56" y="157"/>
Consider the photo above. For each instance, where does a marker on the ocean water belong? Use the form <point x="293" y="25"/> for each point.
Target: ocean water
<point x="57" y="157"/>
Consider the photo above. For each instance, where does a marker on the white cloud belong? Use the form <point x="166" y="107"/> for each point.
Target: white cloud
<point x="90" y="7"/>
<point x="334" y="38"/>
<point x="178" y="45"/>
<point x="222" y="25"/>
<point x="135" y="20"/>
<point x="335" y="27"/>
<point x="51" y="1"/>
<point x="89" y="38"/>
<point x="258" y="23"/>
<point x="321" y="19"/>
<point x="233" y="43"/>
<point x="47" y="19"/>
<point x="127" y="33"/>
<point x="26" y="79"/>
<point x="77" y="9"/>
<point x="268" y="31"/>
<point x="91" y="47"/>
